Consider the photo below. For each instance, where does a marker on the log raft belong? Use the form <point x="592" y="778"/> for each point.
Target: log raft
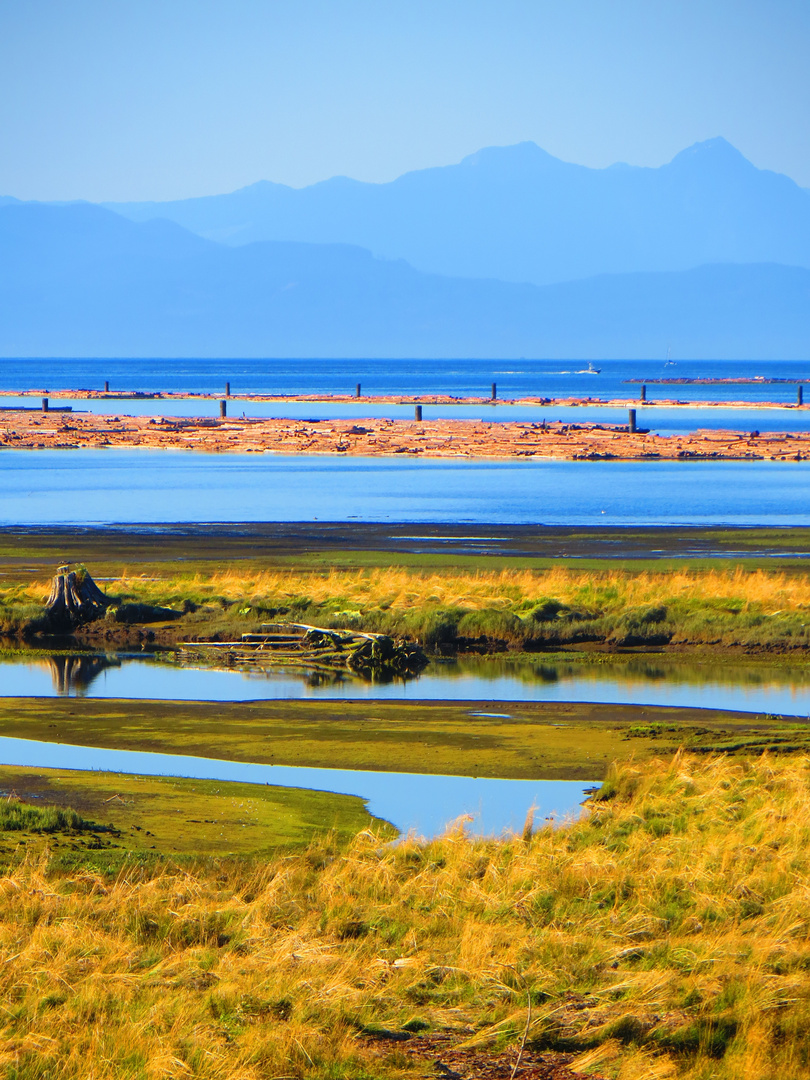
<point x="379" y="437"/>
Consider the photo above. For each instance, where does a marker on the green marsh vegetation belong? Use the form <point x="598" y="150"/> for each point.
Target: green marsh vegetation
<point x="531" y="740"/>
<point x="453" y="608"/>
<point x="217" y="587"/>
<point x="106" y="822"/>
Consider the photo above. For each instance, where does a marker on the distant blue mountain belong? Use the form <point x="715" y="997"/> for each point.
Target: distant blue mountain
<point x="518" y="214"/>
<point x="78" y="280"/>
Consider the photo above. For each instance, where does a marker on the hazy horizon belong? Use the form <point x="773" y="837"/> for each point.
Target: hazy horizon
<point x="154" y="101"/>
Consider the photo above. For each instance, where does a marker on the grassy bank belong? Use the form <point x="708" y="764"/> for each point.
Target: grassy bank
<point x="103" y="821"/>
<point x="525" y="740"/>
<point x="452" y="608"/>
<point x="664" y="936"/>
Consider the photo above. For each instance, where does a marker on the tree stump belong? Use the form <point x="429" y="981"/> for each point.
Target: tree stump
<point x="75" y="598"/>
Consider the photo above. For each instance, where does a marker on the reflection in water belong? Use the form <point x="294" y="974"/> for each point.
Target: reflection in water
<point x="632" y="671"/>
<point x="73" y="675"/>
<point x="756" y="687"/>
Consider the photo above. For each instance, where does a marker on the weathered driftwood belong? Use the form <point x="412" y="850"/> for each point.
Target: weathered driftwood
<point x="366" y="654"/>
<point x="75" y="599"/>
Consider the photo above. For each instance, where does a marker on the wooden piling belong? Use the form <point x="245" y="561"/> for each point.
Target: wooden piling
<point x="799" y="395"/>
<point x="227" y="389"/>
<point x="106" y="386"/>
<point x="631" y="427"/>
<point x="44" y="404"/>
<point x="494" y="391"/>
<point x="223" y="409"/>
<point x="357" y="391"/>
<point x="417" y="412"/>
<point x="642" y="396"/>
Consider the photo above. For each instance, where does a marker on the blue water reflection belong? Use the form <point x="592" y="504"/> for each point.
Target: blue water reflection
<point x="418" y="803"/>
<point x="87" y="487"/>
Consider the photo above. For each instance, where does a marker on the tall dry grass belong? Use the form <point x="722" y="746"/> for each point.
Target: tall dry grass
<point x="667" y="935"/>
<point x="402" y="588"/>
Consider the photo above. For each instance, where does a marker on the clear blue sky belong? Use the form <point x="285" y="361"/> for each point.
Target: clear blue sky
<point x="157" y="99"/>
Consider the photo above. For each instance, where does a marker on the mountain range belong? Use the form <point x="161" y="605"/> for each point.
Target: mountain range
<point x="511" y="253"/>
<point x="82" y="281"/>
<point x="516" y="213"/>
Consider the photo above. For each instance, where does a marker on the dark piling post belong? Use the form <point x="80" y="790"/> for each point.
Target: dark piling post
<point x="799" y="395"/>
<point x="44" y="404"/>
<point x="643" y="393"/>
<point x="106" y="386"/>
<point x="494" y="391"/>
<point x="631" y="427"/>
<point x="227" y="389"/>
<point x="223" y="409"/>
<point x="357" y="391"/>
<point x="417" y="412"/>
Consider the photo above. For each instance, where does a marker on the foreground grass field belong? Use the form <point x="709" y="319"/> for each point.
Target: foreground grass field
<point x="666" y="935"/>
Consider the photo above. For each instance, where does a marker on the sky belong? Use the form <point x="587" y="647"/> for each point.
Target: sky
<point x="163" y="99"/>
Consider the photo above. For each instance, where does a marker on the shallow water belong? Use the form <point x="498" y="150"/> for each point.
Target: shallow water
<point x="665" y="421"/>
<point x="753" y="688"/>
<point x="515" y="378"/>
<point x="86" y="487"/>
<point x="418" y="803"/>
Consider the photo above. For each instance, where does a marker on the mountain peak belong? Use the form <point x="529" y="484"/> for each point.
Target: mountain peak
<point x="716" y="151"/>
<point x="520" y="154"/>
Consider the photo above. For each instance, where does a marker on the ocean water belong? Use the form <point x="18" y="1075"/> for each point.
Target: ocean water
<point x="546" y="378"/>
<point x="113" y="486"/>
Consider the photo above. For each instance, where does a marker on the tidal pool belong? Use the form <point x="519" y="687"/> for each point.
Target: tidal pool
<point x="415" y="803"/>
<point x="747" y="687"/>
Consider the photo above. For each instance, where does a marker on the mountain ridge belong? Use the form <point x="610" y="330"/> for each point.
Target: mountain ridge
<point x="519" y="214"/>
<point x="154" y="289"/>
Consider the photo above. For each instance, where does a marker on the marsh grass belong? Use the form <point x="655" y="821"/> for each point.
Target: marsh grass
<point x="17" y="816"/>
<point x="665" y="935"/>
<point x="515" y="608"/>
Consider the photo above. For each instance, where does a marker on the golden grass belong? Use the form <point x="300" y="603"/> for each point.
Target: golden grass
<point x="666" y="936"/>
<point x="403" y="589"/>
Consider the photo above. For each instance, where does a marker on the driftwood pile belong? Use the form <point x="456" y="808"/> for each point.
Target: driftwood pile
<point x="75" y="599"/>
<point x="372" y="656"/>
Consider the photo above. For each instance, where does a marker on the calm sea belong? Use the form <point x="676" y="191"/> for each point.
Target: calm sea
<point x="547" y="378"/>
<point x="151" y="486"/>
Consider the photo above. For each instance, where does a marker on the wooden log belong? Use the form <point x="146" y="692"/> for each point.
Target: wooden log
<point x="227" y="389"/>
<point x="223" y="409"/>
<point x="417" y="412"/>
<point x="631" y="427"/>
<point x="44" y="404"/>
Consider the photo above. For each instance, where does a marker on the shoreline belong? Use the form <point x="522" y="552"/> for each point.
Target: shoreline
<point x="30" y="430"/>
